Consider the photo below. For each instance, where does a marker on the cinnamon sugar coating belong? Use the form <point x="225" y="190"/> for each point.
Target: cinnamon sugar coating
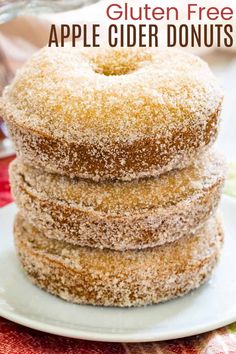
<point x="111" y="278"/>
<point x="119" y="215"/>
<point x="112" y="113"/>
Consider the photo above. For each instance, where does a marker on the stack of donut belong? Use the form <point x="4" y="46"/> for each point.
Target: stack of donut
<point x="115" y="179"/>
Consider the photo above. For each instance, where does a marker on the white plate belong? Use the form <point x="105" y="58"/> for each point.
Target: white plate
<point x="210" y="307"/>
<point x="6" y="148"/>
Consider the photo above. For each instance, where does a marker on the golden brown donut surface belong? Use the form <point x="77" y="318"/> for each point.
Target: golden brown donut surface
<point x="112" y="278"/>
<point x="119" y="215"/>
<point x="112" y="113"/>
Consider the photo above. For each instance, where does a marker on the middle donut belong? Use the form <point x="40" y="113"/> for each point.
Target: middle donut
<point x="119" y="215"/>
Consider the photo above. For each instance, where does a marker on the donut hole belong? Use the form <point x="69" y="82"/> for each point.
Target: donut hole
<point x="119" y="62"/>
<point x="114" y="68"/>
<point x="114" y="71"/>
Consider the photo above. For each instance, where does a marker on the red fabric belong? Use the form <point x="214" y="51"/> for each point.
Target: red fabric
<point x="5" y="195"/>
<point x="16" y="339"/>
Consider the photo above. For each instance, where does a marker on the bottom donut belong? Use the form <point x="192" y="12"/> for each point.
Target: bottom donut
<point x="113" y="278"/>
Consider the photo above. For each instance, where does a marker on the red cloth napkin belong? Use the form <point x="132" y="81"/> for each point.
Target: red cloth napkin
<point x="5" y="195"/>
<point x="16" y="339"/>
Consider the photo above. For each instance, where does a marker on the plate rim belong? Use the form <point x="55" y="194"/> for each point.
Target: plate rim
<point x="113" y="337"/>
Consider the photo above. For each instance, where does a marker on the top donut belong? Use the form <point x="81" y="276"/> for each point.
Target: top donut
<point x="112" y="113"/>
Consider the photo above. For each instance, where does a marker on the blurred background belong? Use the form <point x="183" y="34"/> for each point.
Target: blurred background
<point x="24" y="28"/>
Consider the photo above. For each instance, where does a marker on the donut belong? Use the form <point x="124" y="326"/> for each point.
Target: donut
<point x="106" y="113"/>
<point x="112" y="278"/>
<point x="119" y="215"/>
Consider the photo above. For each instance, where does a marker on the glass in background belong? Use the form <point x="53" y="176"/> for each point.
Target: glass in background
<point x="6" y="75"/>
<point x="12" y="8"/>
